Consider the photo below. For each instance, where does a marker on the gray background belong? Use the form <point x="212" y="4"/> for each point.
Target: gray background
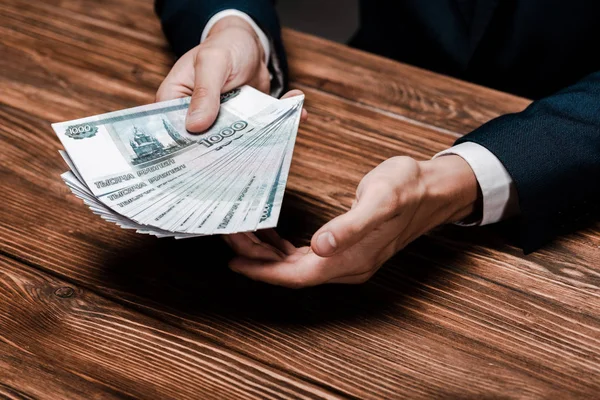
<point x="332" y="19"/>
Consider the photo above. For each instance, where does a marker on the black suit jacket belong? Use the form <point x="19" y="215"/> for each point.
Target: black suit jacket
<point x="542" y="49"/>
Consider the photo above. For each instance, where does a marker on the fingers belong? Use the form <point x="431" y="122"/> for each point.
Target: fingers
<point x="374" y="208"/>
<point x="296" y="92"/>
<point x="353" y="279"/>
<point x="261" y="81"/>
<point x="171" y="89"/>
<point x="307" y="271"/>
<point x="292" y="93"/>
<point x="271" y="237"/>
<point x="304" y="268"/>
<point x="180" y="80"/>
<point x="245" y="246"/>
<point x="205" y="78"/>
<point x="304" y="115"/>
<point x="211" y="69"/>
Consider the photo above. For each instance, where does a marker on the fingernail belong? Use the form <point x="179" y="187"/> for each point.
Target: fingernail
<point x="326" y="243"/>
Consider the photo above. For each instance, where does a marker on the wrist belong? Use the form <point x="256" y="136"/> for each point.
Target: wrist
<point x="234" y="22"/>
<point x="231" y="21"/>
<point x="450" y="183"/>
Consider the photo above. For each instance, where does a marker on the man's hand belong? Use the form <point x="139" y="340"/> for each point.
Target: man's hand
<point x="231" y="56"/>
<point x="395" y="203"/>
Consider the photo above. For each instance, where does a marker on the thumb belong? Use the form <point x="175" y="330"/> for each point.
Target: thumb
<point x="371" y="211"/>
<point x="209" y="78"/>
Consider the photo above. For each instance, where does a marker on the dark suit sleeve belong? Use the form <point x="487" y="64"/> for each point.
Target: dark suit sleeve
<point x="183" y="21"/>
<point x="552" y="152"/>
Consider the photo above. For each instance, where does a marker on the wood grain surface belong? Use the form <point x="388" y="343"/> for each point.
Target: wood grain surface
<point x="89" y="344"/>
<point x="461" y="313"/>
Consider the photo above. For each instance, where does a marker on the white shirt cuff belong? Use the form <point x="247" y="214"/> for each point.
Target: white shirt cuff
<point x="264" y="41"/>
<point x="498" y="189"/>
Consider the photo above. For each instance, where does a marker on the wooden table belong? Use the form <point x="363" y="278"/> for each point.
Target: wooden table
<point x="88" y="310"/>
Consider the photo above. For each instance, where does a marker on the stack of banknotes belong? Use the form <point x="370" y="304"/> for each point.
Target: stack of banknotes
<point x="142" y="170"/>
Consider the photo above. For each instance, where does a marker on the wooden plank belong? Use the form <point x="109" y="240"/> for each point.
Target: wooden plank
<point x="451" y="105"/>
<point x="23" y="374"/>
<point x="76" y="54"/>
<point x="115" y="44"/>
<point x="59" y="341"/>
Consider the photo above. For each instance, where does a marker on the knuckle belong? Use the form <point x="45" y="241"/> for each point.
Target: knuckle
<point x="159" y="94"/>
<point x="295" y="284"/>
<point x="382" y="258"/>
<point x="210" y="53"/>
<point x="350" y="229"/>
<point x="306" y="279"/>
<point x="226" y="240"/>
<point x="234" y="265"/>
<point x="363" y="185"/>
<point x="396" y="160"/>
<point x="255" y="251"/>
<point x="389" y="196"/>
<point x="213" y="57"/>
<point x="364" y="278"/>
<point x="264" y="80"/>
<point x="392" y="200"/>
<point x="240" y="248"/>
<point x="368" y="268"/>
<point x="200" y="91"/>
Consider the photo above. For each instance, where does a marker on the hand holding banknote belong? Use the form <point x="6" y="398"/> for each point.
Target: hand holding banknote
<point x="141" y="169"/>
<point x="231" y="56"/>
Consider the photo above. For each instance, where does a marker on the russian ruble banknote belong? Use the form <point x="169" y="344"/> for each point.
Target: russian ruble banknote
<point x="139" y="168"/>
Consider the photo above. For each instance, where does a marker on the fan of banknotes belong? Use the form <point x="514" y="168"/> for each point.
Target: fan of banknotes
<point x="142" y="170"/>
